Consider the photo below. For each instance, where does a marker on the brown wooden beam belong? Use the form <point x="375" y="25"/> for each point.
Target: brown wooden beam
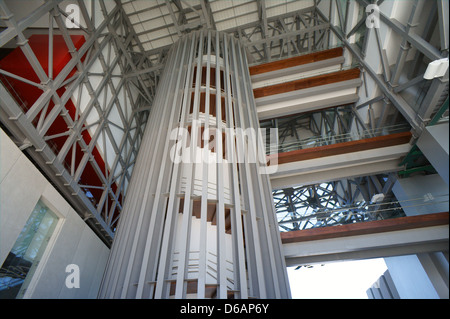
<point x="309" y="82"/>
<point x="345" y="147"/>
<point x="295" y="61"/>
<point x="365" y="228"/>
<point x="192" y="285"/>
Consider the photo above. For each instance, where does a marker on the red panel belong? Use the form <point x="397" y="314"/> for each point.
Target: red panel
<point x="26" y="95"/>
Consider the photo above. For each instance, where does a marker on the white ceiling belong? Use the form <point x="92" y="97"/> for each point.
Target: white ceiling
<point x="154" y="24"/>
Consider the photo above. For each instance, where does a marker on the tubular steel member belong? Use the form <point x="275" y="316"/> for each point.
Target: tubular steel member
<point x="198" y="220"/>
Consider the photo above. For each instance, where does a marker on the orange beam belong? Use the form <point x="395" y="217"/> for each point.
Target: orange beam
<point x="365" y="228"/>
<point x="307" y="83"/>
<point x="295" y="61"/>
<point x="345" y="147"/>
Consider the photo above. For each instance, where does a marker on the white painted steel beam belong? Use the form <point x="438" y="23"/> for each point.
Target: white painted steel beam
<point x="105" y="106"/>
<point x="329" y="168"/>
<point x="307" y="100"/>
<point x="379" y="245"/>
<point x="297" y="72"/>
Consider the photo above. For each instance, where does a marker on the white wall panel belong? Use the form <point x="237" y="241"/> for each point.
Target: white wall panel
<point x="72" y="242"/>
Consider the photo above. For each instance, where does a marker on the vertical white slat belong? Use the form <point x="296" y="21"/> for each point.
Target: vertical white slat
<point x="247" y="171"/>
<point x="172" y="206"/>
<point x="157" y="211"/>
<point x="187" y="212"/>
<point x="220" y="207"/>
<point x="146" y="197"/>
<point x="135" y="186"/>
<point x="279" y="269"/>
<point x="163" y="181"/>
<point x="238" y="242"/>
<point x="204" y="200"/>
<point x="241" y="180"/>
<point x="256" y="146"/>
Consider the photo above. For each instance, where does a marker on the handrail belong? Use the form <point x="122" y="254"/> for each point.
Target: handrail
<point x="315" y="141"/>
<point x="365" y="212"/>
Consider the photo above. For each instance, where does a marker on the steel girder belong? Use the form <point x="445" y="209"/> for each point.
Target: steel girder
<point x="330" y="126"/>
<point x="270" y="38"/>
<point x="310" y="30"/>
<point x="300" y="32"/>
<point x="278" y="37"/>
<point x="419" y="109"/>
<point x="336" y="203"/>
<point x="112" y="108"/>
<point x="340" y="202"/>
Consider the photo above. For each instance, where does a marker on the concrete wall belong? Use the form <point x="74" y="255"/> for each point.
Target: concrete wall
<point x="383" y="288"/>
<point x="422" y="276"/>
<point x="72" y="242"/>
<point x="413" y="277"/>
<point x="434" y="143"/>
<point x="422" y="194"/>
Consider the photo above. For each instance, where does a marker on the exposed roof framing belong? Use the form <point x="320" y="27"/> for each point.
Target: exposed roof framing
<point x="117" y="70"/>
<point x="271" y="29"/>
<point x="336" y="203"/>
<point x="97" y="101"/>
<point x="417" y="110"/>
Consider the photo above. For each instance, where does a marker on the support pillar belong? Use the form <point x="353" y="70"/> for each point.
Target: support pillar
<point x="425" y="275"/>
<point x="434" y="144"/>
<point x="198" y="220"/>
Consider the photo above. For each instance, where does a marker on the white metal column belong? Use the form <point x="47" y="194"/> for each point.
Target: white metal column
<point x="198" y="219"/>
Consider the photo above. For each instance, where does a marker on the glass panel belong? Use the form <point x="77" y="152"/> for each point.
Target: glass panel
<point x="328" y="204"/>
<point x="344" y="9"/>
<point x="23" y="259"/>
<point x="326" y="127"/>
<point x="415" y="94"/>
<point x="361" y="31"/>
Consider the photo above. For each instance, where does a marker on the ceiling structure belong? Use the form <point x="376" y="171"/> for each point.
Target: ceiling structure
<point x="112" y="76"/>
<point x="158" y="24"/>
<point x="337" y="203"/>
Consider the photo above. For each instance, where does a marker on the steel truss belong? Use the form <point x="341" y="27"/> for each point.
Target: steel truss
<point x="119" y="105"/>
<point x="127" y="70"/>
<point x="311" y="29"/>
<point x="400" y="82"/>
<point x="334" y="202"/>
<point x="267" y="39"/>
<point x="416" y="101"/>
<point x="114" y="45"/>
<point x="337" y="203"/>
<point x="330" y="126"/>
<point x="287" y="35"/>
